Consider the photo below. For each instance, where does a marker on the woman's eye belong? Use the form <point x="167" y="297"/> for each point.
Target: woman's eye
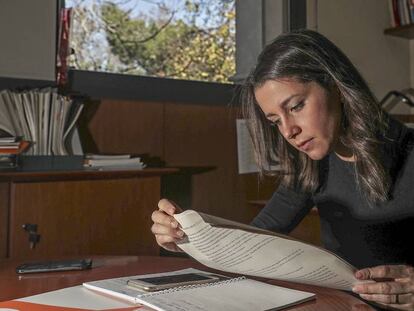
<point x="298" y="106"/>
<point x="274" y="122"/>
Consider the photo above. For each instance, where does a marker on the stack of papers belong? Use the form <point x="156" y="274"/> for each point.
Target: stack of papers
<point x="10" y="148"/>
<point x="115" y="162"/>
<point x="43" y="117"/>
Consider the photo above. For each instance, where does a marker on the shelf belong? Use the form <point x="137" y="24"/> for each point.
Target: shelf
<point x="53" y="168"/>
<point x="406" y="31"/>
<point x="80" y="174"/>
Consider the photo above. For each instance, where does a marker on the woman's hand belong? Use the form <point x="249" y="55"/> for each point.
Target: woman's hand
<point x="165" y="227"/>
<point x="394" y="286"/>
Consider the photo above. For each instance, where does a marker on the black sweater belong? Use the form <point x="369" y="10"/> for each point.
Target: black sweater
<point x="364" y="235"/>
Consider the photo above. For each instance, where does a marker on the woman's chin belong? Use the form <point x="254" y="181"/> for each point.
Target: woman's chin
<point x="316" y="155"/>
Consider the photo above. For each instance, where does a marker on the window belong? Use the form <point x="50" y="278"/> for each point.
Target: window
<point x="183" y="39"/>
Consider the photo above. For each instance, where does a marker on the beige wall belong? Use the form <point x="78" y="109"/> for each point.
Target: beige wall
<point x="357" y="28"/>
<point x="28" y="39"/>
<point x="412" y="63"/>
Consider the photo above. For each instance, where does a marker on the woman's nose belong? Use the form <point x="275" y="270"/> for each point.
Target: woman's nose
<point x="290" y="130"/>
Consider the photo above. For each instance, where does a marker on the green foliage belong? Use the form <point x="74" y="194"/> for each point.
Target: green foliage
<point x="197" y="45"/>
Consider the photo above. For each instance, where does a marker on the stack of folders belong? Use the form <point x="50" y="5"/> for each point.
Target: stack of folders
<point x="10" y="149"/>
<point x="41" y="116"/>
<point x="113" y="162"/>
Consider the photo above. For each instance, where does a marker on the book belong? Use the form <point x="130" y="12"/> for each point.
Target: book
<point x="410" y="4"/>
<point x="238" y="248"/>
<point x="113" y="162"/>
<point x="21" y="147"/>
<point x="9" y="140"/>
<point x="230" y="294"/>
<point x="106" y="156"/>
<point x="396" y="12"/>
<point x="391" y="12"/>
<point x="9" y="145"/>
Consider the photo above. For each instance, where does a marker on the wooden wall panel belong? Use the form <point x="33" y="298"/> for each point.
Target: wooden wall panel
<point x="186" y="135"/>
<point x="257" y="189"/>
<point x="206" y="136"/>
<point x="4" y="218"/>
<point x="309" y="229"/>
<point x="85" y="217"/>
<point x="128" y="127"/>
<point x="406" y="118"/>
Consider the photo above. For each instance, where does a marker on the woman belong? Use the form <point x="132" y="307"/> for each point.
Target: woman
<point x="307" y="105"/>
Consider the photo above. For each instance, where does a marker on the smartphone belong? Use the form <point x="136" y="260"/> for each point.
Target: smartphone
<point x="51" y="266"/>
<point x="151" y="284"/>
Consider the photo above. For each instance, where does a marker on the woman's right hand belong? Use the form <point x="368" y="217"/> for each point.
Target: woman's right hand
<point x="165" y="227"/>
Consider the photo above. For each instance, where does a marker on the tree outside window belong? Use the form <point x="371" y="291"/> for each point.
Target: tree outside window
<point x="183" y="39"/>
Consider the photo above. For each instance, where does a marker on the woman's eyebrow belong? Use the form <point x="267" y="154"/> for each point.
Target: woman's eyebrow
<point x="282" y="104"/>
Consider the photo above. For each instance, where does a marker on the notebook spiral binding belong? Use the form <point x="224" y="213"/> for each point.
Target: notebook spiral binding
<point x="180" y="288"/>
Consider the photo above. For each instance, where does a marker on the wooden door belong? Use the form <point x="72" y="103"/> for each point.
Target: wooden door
<point x="84" y="217"/>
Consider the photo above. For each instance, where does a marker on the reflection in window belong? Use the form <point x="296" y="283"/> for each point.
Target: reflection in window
<point x="184" y="39"/>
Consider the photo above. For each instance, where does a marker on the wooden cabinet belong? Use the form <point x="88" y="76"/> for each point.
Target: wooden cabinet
<point x="79" y="212"/>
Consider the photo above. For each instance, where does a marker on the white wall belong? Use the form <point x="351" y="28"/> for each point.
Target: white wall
<point x="412" y="63"/>
<point x="357" y="28"/>
<point x="28" y="39"/>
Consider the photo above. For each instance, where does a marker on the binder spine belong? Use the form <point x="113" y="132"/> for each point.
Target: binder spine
<point x="187" y="287"/>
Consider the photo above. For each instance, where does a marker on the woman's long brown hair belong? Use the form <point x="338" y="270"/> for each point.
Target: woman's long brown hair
<point x="307" y="56"/>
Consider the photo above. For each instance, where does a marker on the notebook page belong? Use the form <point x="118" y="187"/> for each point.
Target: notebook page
<point x="235" y="295"/>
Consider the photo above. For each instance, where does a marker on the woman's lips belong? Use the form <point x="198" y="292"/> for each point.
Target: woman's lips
<point x="306" y="145"/>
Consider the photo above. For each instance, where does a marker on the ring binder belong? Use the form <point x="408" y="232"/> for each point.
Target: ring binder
<point x="186" y="287"/>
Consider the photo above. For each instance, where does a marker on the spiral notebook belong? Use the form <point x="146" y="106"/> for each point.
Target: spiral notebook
<point x="230" y="294"/>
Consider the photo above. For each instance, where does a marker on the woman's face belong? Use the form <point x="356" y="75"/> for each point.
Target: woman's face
<point x="306" y="114"/>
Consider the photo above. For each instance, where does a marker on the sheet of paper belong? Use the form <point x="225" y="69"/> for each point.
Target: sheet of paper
<point x="245" y="151"/>
<point x="263" y="254"/>
<point x="81" y="298"/>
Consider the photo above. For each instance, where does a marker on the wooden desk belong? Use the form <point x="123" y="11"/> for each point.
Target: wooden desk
<point x="16" y="286"/>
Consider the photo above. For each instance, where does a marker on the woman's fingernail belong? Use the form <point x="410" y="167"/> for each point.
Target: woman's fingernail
<point x="180" y="233"/>
<point x="355" y="289"/>
<point x="174" y="224"/>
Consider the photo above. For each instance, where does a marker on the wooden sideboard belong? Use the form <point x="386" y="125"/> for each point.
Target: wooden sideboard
<point x="79" y="212"/>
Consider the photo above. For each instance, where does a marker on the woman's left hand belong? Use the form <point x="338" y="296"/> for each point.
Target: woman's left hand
<point x="393" y="287"/>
